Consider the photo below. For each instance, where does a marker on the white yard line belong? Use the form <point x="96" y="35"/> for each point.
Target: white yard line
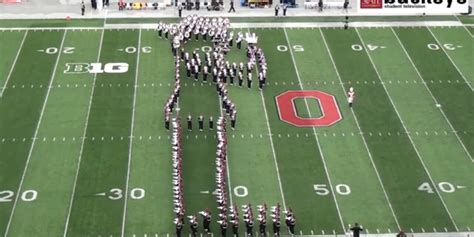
<point x="273" y="147"/>
<point x="450" y="59"/>
<point x="131" y="133"/>
<point x="35" y="135"/>
<point x="13" y="65"/>
<point x="464" y="26"/>
<point x="409" y="136"/>
<point x="316" y="136"/>
<point x="361" y="135"/>
<point x="82" y="142"/>
<point x="432" y="96"/>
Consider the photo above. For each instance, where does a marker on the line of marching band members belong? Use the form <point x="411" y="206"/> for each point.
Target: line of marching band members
<point x="177" y="162"/>
<point x="248" y="218"/>
<point x="222" y="73"/>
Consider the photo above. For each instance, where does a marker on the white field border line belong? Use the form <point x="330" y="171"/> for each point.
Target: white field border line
<point x="450" y="59"/>
<point x="361" y="135"/>
<point x="464" y="26"/>
<point x="271" y="143"/>
<point x="13" y="65"/>
<point x="36" y="134"/>
<point x="432" y="96"/>
<point x="131" y="134"/>
<point x="66" y="226"/>
<point x="409" y="136"/>
<point x="316" y="136"/>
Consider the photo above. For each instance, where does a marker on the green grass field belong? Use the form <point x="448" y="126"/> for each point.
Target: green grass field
<point x="84" y="154"/>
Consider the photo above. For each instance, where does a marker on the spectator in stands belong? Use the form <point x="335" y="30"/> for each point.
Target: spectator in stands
<point x="320" y="5"/>
<point x="121" y="5"/>
<point x="180" y="9"/>
<point x="285" y="6"/>
<point x="232" y="6"/>
<point x="277" y="8"/>
<point x="83" y="8"/>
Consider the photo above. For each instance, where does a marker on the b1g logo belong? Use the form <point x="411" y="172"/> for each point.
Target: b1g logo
<point x="371" y="3"/>
<point x="72" y="68"/>
<point x="327" y="103"/>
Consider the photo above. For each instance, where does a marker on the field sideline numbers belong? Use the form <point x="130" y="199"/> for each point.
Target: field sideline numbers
<point x="133" y="49"/>
<point x="445" y="187"/>
<point x="117" y="193"/>
<point x="341" y="189"/>
<point x="26" y="196"/>
<point x="447" y="46"/>
<point x="296" y="48"/>
<point x="54" y="50"/>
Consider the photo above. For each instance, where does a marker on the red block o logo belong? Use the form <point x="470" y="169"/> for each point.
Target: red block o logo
<point x="327" y="102"/>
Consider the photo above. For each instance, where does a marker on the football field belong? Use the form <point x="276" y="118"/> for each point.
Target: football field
<point x="84" y="150"/>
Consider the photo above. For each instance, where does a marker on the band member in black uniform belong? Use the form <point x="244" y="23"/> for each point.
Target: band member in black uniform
<point x="167" y="122"/>
<point x="214" y="75"/>
<point x="179" y="227"/>
<point x="249" y="80"/>
<point x="188" y="69"/>
<point x="235" y="227"/>
<point x="196" y="72"/>
<point x="190" y="123"/>
<point x="205" y="73"/>
<point x="290" y="221"/>
<point x="211" y="123"/>
<point x="166" y="31"/>
<point x="206" y="221"/>
<point x="223" y="224"/>
<point x="276" y="228"/>
<point x="194" y="226"/>
<point x="160" y="30"/>
<point x="249" y="227"/>
<point x="231" y="76"/>
<point x="239" y="40"/>
<point x="263" y="228"/>
<point x="181" y="53"/>
<point x="201" y="122"/>
<point x="241" y="79"/>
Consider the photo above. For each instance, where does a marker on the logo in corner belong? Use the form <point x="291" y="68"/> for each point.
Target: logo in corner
<point x="371" y="4"/>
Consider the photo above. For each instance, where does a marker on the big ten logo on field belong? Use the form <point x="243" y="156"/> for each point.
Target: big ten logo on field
<point x="72" y="68"/>
<point x="330" y="113"/>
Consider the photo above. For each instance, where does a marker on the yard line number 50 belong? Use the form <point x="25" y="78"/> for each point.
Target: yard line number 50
<point x="323" y="190"/>
<point x="296" y="48"/>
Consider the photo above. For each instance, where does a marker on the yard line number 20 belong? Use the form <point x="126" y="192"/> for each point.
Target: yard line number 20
<point x="26" y="196"/>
